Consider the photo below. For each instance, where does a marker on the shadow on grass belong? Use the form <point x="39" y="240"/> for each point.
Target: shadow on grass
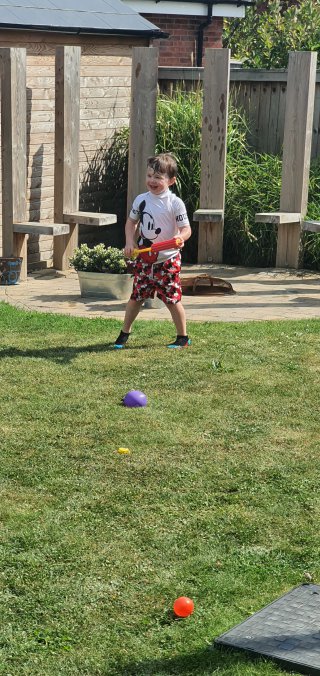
<point x="205" y="662"/>
<point x="62" y="354"/>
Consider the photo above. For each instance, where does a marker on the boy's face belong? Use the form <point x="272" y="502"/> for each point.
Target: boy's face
<point x="157" y="182"/>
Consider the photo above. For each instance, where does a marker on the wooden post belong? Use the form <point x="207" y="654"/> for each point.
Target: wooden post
<point x="296" y="153"/>
<point x="213" y="154"/>
<point x="142" y="117"/>
<point x="67" y="135"/>
<point x="14" y="159"/>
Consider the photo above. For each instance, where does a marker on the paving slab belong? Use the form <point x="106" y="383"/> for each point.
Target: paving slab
<point x="261" y="294"/>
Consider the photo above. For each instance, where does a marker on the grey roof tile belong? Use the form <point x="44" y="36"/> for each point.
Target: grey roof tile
<point x="89" y="16"/>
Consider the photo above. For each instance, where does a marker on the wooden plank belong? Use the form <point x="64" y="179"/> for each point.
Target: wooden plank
<point x="213" y="150"/>
<point x="14" y="143"/>
<point x="122" y="100"/>
<point x="177" y="73"/>
<point x="42" y="40"/>
<point x="315" y="148"/>
<point x="296" y="152"/>
<point x="280" y="121"/>
<point x="214" y="129"/>
<point x="67" y="139"/>
<point x="258" y="75"/>
<point x="41" y="193"/>
<point x="212" y="215"/>
<point x="272" y="146"/>
<point x="89" y="218"/>
<point x="45" y="128"/>
<point x="97" y="72"/>
<point x="106" y="112"/>
<point x="278" y="217"/>
<point x="264" y="115"/>
<point x="253" y="112"/>
<point x="32" y="228"/>
<point x="104" y="82"/>
<point x="102" y="92"/>
<point x="36" y="214"/>
<point x="210" y="243"/>
<point x="236" y="74"/>
<point x="310" y="226"/>
<point x="298" y="131"/>
<point x="99" y="126"/>
<point x="142" y="117"/>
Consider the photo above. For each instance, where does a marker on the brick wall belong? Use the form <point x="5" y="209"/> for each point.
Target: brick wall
<point x="180" y="49"/>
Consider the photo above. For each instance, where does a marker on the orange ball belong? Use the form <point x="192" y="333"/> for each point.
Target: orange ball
<point x="183" y="606"/>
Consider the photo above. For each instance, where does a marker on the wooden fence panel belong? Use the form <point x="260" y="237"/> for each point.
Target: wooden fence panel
<point x="261" y="94"/>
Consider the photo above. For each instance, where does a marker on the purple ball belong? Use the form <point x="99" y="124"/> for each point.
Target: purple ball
<point x="135" y="398"/>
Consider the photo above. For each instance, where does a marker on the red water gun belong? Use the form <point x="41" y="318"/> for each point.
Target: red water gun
<point x="174" y="243"/>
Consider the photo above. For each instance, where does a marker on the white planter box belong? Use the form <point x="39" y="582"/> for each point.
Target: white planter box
<point x="106" y="285"/>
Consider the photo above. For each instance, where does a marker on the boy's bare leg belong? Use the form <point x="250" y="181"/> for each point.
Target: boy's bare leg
<point x="178" y="317"/>
<point x="132" y="310"/>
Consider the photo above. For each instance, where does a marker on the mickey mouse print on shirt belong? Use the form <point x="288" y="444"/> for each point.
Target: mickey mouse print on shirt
<point x="148" y="232"/>
<point x="160" y="217"/>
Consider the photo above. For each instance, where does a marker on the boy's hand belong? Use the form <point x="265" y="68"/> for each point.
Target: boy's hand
<point x="128" y="250"/>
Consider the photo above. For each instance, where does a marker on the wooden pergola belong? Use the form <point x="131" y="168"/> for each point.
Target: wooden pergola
<point x="290" y="219"/>
<point x="67" y="216"/>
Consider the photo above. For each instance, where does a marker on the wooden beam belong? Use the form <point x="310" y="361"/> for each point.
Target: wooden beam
<point x="310" y="226"/>
<point x="213" y="152"/>
<point x="278" y="217"/>
<point x="33" y="228"/>
<point x="296" y="153"/>
<point x="89" y="218"/>
<point x="14" y="144"/>
<point x="67" y="136"/>
<point x="212" y="215"/>
<point x="144" y="82"/>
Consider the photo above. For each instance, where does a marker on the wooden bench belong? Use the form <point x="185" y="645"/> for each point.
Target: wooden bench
<point x="89" y="218"/>
<point x="33" y="228"/>
<point x="278" y="217"/>
<point x="208" y="215"/>
<point x="310" y="226"/>
<point x="295" y="161"/>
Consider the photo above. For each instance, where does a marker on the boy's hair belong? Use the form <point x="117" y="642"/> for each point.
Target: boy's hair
<point x="164" y="163"/>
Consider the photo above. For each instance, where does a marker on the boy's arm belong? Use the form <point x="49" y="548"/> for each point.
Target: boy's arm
<point x="182" y="220"/>
<point x="130" y="230"/>
<point x="185" y="232"/>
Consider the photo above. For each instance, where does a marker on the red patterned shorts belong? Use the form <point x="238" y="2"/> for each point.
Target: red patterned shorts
<point x="163" y="278"/>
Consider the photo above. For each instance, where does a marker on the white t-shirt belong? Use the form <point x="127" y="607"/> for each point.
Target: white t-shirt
<point x="160" y="217"/>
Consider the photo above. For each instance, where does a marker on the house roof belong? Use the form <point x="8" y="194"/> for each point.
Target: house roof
<point x="101" y="17"/>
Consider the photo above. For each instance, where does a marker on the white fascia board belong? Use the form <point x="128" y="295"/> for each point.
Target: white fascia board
<point x="184" y="9"/>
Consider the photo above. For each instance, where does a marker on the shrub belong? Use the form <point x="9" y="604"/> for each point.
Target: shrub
<point x="270" y="30"/>
<point x="99" y="259"/>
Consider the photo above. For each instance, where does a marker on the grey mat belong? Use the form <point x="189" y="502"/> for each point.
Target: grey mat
<point x="287" y="630"/>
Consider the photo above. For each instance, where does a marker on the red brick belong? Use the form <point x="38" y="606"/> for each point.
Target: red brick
<point x="183" y="33"/>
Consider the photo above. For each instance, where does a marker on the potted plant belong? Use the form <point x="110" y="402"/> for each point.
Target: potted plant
<point x="10" y="269"/>
<point x="102" y="271"/>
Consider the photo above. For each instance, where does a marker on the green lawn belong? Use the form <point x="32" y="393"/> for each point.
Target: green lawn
<point x="219" y="499"/>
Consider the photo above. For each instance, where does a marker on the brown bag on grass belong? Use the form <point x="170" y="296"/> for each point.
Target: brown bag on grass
<point x="205" y="285"/>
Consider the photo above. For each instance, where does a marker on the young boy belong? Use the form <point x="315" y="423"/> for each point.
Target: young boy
<point x="156" y="216"/>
